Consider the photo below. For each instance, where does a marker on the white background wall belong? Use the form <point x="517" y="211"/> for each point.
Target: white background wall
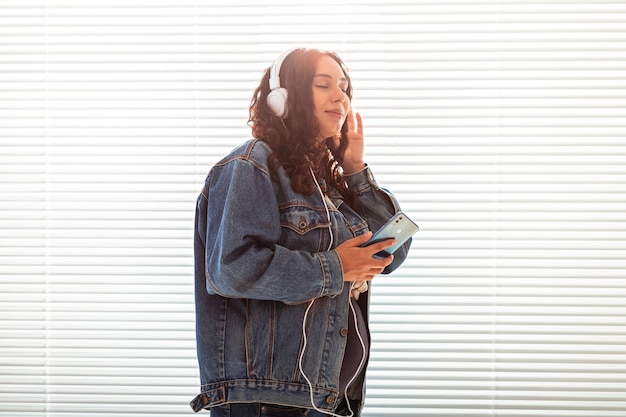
<point x="499" y="125"/>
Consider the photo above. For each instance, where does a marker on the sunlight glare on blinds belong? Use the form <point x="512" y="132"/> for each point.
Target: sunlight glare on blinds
<point x="499" y="126"/>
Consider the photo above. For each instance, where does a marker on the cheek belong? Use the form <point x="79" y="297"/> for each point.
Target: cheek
<point x="318" y="104"/>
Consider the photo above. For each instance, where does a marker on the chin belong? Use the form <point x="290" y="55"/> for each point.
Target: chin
<point x="330" y="134"/>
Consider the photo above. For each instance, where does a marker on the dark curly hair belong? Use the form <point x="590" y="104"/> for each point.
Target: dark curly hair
<point x="294" y="140"/>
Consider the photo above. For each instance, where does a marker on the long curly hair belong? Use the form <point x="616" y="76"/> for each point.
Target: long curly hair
<point x="294" y="139"/>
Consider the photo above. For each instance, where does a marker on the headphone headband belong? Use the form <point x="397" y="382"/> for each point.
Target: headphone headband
<point x="275" y="69"/>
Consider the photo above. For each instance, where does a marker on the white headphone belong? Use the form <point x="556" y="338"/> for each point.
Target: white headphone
<point x="277" y="98"/>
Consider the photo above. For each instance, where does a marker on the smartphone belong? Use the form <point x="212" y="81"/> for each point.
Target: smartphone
<point x="399" y="227"/>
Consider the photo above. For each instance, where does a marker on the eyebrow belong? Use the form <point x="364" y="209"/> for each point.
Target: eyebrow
<point x="330" y="77"/>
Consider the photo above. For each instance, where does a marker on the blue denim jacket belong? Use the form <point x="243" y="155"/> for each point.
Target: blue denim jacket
<point x="260" y="257"/>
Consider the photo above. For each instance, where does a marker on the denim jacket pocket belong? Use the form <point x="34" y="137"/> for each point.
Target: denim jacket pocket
<point x="304" y="226"/>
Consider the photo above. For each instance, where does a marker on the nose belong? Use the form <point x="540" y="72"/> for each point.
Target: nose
<point x="340" y="96"/>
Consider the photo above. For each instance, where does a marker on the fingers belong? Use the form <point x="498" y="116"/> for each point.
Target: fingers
<point x="382" y="259"/>
<point x="376" y="267"/>
<point x="355" y="122"/>
<point x="383" y="244"/>
<point x="377" y="264"/>
<point x="373" y="248"/>
<point x="358" y="262"/>
<point x="359" y="124"/>
<point x="359" y="240"/>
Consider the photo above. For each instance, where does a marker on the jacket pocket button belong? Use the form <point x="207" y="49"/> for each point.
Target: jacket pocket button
<point x="330" y="399"/>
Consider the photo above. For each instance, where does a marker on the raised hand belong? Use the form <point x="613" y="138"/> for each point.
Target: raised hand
<point x="353" y="155"/>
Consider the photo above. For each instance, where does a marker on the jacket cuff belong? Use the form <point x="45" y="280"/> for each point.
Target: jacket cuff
<point x="332" y="272"/>
<point x="362" y="180"/>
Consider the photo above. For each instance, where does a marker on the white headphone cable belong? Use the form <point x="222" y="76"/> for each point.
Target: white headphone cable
<point x="305" y="318"/>
<point x="360" y="367"/>
<point x="330" y="224"/>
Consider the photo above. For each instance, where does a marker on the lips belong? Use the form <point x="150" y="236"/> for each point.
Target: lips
<point x="335" y="113"/>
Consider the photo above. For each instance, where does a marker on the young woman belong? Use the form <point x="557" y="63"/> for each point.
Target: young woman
<point x="281" y="277"/>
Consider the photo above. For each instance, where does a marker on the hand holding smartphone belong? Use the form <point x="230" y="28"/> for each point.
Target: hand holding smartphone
<point x="399" y="227"/>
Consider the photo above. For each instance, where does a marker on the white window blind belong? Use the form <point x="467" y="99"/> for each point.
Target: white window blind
<point x="499" y="125"/>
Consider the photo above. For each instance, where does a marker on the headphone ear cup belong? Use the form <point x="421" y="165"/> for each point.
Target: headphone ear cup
<point x="277" y="102"/>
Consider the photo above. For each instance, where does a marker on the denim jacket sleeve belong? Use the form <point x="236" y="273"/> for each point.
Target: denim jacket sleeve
<point x="242" y="254"/>
<point x="377" y="206"/>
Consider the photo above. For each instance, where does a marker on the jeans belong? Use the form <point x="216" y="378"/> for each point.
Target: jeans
<point x="268" y="410"/>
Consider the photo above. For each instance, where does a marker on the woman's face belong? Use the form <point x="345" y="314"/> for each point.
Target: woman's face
<point x="329" y="96"/>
